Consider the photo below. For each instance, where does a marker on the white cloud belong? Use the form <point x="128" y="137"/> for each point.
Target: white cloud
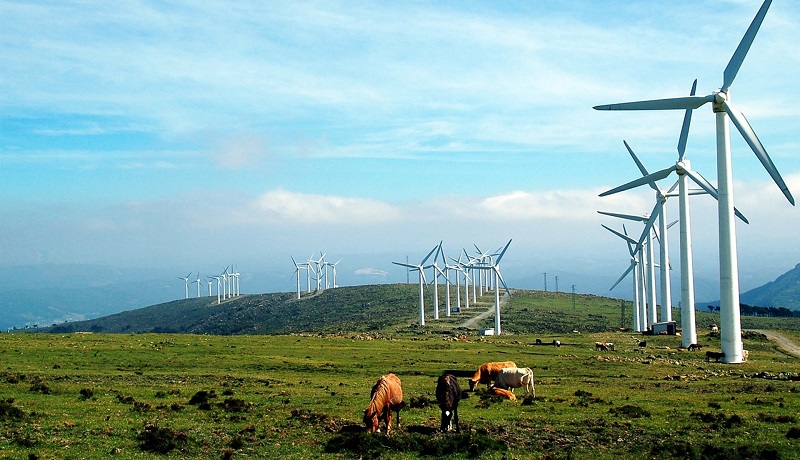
<point x="305" y="208"/>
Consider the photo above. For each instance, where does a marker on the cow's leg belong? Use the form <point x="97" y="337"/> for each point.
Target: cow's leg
<point x="455" y="416"/>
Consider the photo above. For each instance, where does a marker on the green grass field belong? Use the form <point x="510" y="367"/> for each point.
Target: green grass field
<point x="97" y="396"/>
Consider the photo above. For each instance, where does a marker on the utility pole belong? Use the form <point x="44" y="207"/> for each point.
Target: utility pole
<point x="556" y="283"/>
<point x="573" y="297"/>
<point x="545" y="281"/>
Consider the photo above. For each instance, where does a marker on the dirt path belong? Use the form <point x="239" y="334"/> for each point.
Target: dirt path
<point x="489" y="311"/>
<point x="784" y="343"/>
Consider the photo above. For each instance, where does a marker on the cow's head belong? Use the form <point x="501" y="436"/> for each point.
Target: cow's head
<point x="472" y="384"/>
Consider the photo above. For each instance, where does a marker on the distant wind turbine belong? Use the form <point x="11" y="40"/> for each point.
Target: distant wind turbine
<point x="494" y="268"/>
<point x="186" y="283"/>
<point x="421" y="269"/>
<point x="730" y="314"/>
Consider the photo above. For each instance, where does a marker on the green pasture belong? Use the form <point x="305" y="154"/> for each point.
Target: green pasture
<point x="300" y="396"/>
<point x="95" y="395"/>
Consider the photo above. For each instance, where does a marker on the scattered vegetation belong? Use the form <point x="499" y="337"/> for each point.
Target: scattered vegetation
<point x="302" y="395"/>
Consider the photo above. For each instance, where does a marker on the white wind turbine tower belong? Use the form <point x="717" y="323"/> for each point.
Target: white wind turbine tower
<point x="219" y="280"/>
<point x="186" y="283"/>
<point x="209" y="287"/>
<point x="297" y="269"/>
<point x="197" y="282"/>
<point x="333" y="266"/>
<point x="437" y="271"/>
<point x="684" y="171"/>
<point x="498" y="280"/>
<point x="730" y="314"/>
<point x="459" y="269"/>
<point x="647" y="260"/>
<point x="421" y="269"/>
<point x="633" y="267"/>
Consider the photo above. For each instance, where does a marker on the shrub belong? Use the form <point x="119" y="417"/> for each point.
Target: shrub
<point x="160" y="440"/>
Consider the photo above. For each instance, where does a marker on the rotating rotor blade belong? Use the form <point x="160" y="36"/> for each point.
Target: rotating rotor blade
<point x="711" y="190"/>
<point x="415" y="267"/>
<point x="497" y="261"/>
<point x="624" y="216"/>
<point x="752" y="140"/>
<point x="687" y="120"/>
<point x="648" y="179"/>
<point x="621" y="235"/>
<point x="650" y="222"/>
<point x="630" y="267"/>
<point x="429" y="254"/>
<point x="500" y="277"/>
<point x="675" y="103"/>
<point x="744" y="46"/>
<point x="639" y="164"/>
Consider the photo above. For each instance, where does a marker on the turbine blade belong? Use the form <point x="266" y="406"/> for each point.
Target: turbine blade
<point x="500" y="277"/>
<point x="621" y="235"/>
<point x="630" y="267"/>
<point x="429" y="254"/>
<point x="749" y="135"/>
<point x="649" y="179"/>
<point x="502" y="252"/>
<point x="416" y="267"/>
<point x="687" y="120"/>
<point x="639" y="164"/>
<point x="744" y="46"/>
<point x="650" y="222"/>
<point x="711" y="190"/>
<point x="675" y="103"/>
<point x="624" y="216"/>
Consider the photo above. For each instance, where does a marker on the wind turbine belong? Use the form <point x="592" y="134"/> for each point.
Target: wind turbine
<point x="646" y="259"/>
<point x="197" y="282"/>
<point x="186" y="283"/>
<point x="684" y="171"/>
<point x="494" y="267"/>
<point x="219" y="279"/>
<point x="730" y="314"/>
<point x="297" y="269"/>
<point x="421" y="269"/>
<point x="633" y="267"/>
<point x="437" y="271"/>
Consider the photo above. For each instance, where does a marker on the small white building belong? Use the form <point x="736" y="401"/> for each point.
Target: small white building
<point x="668" y="327"/>
<point x="487" y="331"/>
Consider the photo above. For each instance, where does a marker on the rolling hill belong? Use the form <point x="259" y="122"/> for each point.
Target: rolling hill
<point x="783" y="292"/>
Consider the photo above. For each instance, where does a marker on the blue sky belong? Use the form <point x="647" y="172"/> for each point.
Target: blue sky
<point x="180" y="134"/>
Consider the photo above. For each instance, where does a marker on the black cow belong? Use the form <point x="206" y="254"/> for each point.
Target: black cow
<point x="448" y="394"/>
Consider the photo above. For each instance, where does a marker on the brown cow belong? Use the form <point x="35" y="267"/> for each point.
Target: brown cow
<point x="715" y="355"/>
<point x="487" y="373"/>
<point x="503" y="393"/>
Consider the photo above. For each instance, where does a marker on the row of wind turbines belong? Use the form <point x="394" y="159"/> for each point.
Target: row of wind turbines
<point x="481" y="269"/>
<point x="227" y="284"/>
<point x="641" y="250"/>
<point x="319" y="268"/>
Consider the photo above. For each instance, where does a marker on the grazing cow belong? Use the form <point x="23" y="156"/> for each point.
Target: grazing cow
<point x="516" y="377"/>
<point x="504" y="393"/>
<point x="557" y="343"/>
<point x="715" y="355"/>
<point x="695" y="346"/>
<point x="600" y="346"/>
<point x="642" y="344"/>
<point x="487" y="373"/>
<point x="745" y="355"/>
<point x="538" y="341"/>
<point x="448" y="394"/>
<point x="387" y="396"/>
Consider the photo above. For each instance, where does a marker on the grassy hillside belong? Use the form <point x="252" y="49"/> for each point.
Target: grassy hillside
<point x="96" y="396"/>
<point x="390" y="309"/>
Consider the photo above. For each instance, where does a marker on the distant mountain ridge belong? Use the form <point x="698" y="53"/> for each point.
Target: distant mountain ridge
<point x="783" y="292"/>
